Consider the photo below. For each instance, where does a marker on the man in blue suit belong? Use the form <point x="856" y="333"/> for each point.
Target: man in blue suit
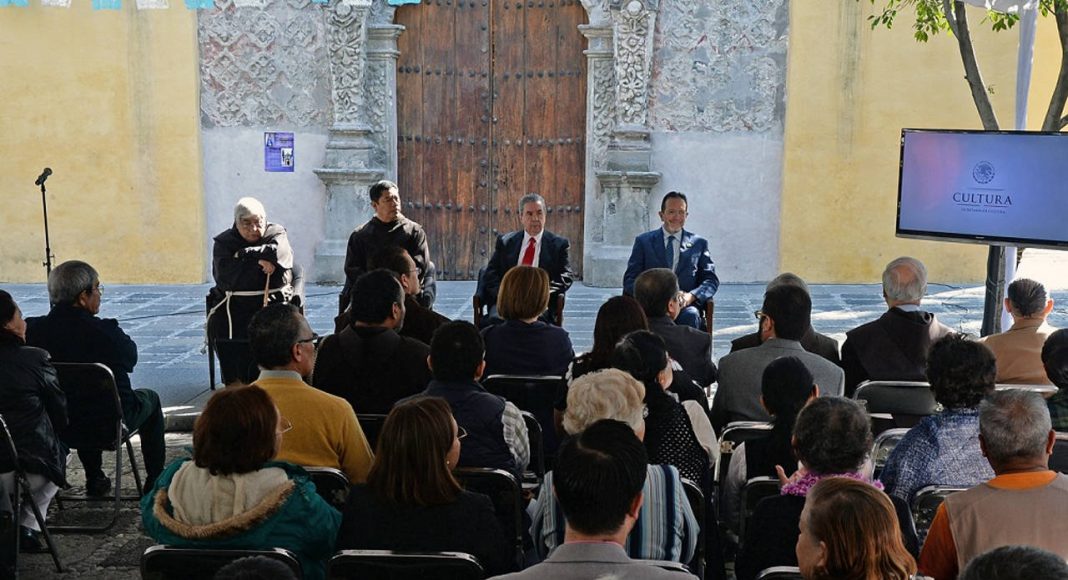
<point x="685" y="253"/>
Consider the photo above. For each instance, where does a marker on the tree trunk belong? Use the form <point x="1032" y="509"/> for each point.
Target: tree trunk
<point x="1053" y="120"/>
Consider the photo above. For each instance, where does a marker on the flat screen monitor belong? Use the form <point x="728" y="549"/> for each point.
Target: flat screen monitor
<point x="987" y="187"/>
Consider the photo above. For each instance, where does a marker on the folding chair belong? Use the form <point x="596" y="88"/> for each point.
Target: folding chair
<point x="1046" y="391"/>
<point x="696" y="500"/>
<point x="895" y="404"/>
<point x="372" y="426"/>
<point x="168" y="563"/>
<point x="95" y="422"/>
<point x="331" y="485"/>
<point x="1058" y="461"/>
<point x="925" y="504"/>
<point x="736" y="432"/>
<point x="390" y="565"/>
<point x="535" y="472"/>
<point x="506" y="494"/>
<point x="753" y="491"/>
<point x="780" y="573"/>
<point x="21" y="493"/>
<point x="534" y="394"/>
<point x="883" y="446"/>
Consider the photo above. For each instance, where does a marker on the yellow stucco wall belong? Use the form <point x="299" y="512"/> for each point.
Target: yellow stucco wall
<point x="850" y="91"/>
<point x="109" y="101"/>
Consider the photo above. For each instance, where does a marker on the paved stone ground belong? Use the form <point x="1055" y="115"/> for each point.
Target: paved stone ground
<point x="167" y="324"/>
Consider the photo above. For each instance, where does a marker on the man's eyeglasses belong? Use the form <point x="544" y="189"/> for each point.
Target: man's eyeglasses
<point x="759" y="314"/>
<point x="285" y="426"/>
<point x="313" y="339"/>
<point x="460" y="432"/>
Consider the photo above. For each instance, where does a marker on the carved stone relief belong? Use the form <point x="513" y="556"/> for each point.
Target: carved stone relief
<point x="719" y="65"/>
<point x="263" y="66"/>
<point x="347" y="34"/>
<point x="634" y="22"/>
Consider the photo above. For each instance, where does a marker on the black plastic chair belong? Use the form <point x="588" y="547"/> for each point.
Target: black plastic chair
<point x="372" y="426"/>
<point x="696" y="500"/>
<point x="1058" y="461"/>
<point x="896" y="404"/>
<point x="169" y="563"/>
<point x="331" y="485"/>
<point x="753" y="491"/>
<point x="390" y="565"/>
<point x="780" y="573"/>
<point x="737" y="432"/>
<point x="534" y="394"/>
<point x="22" y="492"/>
<point x="507" y="497"/>
<point x="1044" y="390"/>
<point x="883" y="446"/>
<point x="535" y="472"/>
<point x="925" y="505"/>
<point x="94" y="413"/>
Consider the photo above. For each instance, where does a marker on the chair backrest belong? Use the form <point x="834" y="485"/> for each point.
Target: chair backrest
<point x="167" y="563"/>
<point x="534" y="394"/>
<point x="895" y="404"/>
<point x="1059" y="460"/>
<point x="372" y="426"/>
<point x="387" y="564"/>
<point x="780" y="573"/>
<point x="925" y="504"/>
<point x="331" y="484"/>
<point x="884" y="444"/>
<point x="505" y="493"/>
<point x="753" y="491"/>
<point x="94" y="411"/>
<point x="696" y="500"/>
<point x="735" y="433"/>
<point x="537" y="445"/>
<point x="1044" y="390"/>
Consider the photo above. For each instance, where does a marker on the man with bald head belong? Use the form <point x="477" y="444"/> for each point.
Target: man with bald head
<point x="894" y="346"/>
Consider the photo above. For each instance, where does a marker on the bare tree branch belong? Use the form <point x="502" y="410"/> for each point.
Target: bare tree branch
<point x="1053" y="120"/>
<point x="956" y="15"/>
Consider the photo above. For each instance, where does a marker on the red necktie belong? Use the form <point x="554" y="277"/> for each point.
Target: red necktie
<point x="528" y="255"/>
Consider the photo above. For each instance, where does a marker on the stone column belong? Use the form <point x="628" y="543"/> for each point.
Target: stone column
<point x="619" y="154"/>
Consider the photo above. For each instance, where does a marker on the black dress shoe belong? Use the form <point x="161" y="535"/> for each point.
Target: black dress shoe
<point x="98" y="486"/>
<point x="30" y="541"/>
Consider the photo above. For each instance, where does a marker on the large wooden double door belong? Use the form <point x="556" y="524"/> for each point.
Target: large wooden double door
<point x="491" y="105"/>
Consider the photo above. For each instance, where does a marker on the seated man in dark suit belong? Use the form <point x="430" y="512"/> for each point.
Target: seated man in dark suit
<point x="657" y="290"/>
<point x="599" y="475"/>
<point x="894" y="346"/>
<point x="684" y="253"/>
<point x="368" y="363"/>
<point x="811" y="341"/>
<point x="72" y="332"/>
<point x="531" y="246"/>
<point x="420" y="322"/>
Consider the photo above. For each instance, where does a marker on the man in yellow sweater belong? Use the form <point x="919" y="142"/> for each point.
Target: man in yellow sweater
<point x="325" y="431"/>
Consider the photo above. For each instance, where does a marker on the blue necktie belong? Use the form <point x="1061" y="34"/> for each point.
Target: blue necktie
<point x="671" y="251"/>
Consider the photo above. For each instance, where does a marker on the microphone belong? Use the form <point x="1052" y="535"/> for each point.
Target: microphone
<point x="44" y="175"/>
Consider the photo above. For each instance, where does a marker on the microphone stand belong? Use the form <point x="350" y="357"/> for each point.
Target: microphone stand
<point x="48" y="247"/>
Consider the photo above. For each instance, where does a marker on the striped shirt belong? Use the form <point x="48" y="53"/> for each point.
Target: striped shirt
<point x="666" y="528"/>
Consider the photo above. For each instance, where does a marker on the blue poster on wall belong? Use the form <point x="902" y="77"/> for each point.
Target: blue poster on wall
<point x="278" y="152"/>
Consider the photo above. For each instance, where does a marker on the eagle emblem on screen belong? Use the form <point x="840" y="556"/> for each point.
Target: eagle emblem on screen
<point x="983" y="172"/>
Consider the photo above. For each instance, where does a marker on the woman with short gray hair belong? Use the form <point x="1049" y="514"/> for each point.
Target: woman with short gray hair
<point x="252" y="264"/>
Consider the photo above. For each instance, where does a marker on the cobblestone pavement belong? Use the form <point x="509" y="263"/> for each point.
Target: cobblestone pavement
<point x="167" y="324"/>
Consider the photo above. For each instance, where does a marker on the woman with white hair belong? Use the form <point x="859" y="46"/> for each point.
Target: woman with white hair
<point x="252" y="264"/>
<point x="666" y="528"/>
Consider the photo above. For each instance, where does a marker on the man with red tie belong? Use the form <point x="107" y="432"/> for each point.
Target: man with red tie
<point x="531" y="246"/>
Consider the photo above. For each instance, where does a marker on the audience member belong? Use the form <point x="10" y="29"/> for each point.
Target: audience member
<point x="325" y="432"/>
<point x="531" y="246"/>
<point x="251" y="263"/>
<point x="34" y="408"/>
<point x="894" y="346"/>
<point x="832" y="438"/>
<point x="368" y="363"/>
<point x="524" y="345"/>
<point x="232" y="495"/>
<point x="784" y="317"/>
<point x="600" y="474"/>
<point x="1019" y="349"/>
<point x="72" y="332"/>
<point x="666" y="528"/>
<point x="412" y="502"/>
<point x="943" y="449"/>
<point x="420" y="322"/>
<point x="1055" y="362"/>
<point x="657" y="290"/>
<point x="811" y="340"/>
<point x="786" y="386"/>
<point x="849" y="530"/>
<point x="676" y="433"/>
<point x="497" y="435"/>
<point x="1025" y="503"/>
<point x="683" y="253"/>
<point x="1016" y="563"/>
<point x="388" y="227"/>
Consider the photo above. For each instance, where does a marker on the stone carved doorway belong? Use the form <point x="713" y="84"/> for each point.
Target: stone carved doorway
<point x="491" y="105"/>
